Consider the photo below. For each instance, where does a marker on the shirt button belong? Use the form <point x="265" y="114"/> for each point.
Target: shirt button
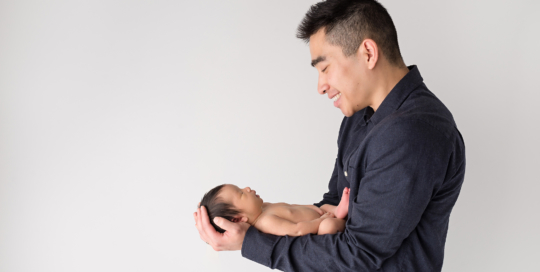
<point x="345" y="173"/>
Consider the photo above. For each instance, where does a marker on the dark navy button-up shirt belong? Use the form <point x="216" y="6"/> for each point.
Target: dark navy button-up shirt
<point x="404" y="165"/>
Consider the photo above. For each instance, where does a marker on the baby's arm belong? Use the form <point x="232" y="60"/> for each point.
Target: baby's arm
<point x="279" y="226"/>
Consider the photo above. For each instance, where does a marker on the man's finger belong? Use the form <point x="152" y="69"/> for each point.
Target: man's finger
<point x="197" y="225"/>
<point x="208" y="229"/>
<point x="226" y="224"/>
<point x="202" y="233"/>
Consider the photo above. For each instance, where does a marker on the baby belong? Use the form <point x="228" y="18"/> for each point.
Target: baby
<point x="245" y="205"/>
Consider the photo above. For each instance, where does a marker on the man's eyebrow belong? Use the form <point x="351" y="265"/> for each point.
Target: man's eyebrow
<point x="317" y="60"/>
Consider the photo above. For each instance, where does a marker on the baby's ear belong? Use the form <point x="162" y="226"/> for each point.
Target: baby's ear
<point x="239" y="219"/>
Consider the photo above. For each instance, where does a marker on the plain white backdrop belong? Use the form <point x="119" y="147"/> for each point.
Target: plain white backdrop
<point x="117" y="116"/>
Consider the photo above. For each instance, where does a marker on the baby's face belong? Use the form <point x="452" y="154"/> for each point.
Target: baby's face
<point x="246" y="200"/>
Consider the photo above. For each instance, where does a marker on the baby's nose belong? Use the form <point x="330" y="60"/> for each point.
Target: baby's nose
<point x="248" y="189"/>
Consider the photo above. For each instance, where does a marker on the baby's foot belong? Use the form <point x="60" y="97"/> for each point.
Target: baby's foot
<point x="343" y="208"/>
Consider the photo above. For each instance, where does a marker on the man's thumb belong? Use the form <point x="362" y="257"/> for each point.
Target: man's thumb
<point x="223" y="223"/>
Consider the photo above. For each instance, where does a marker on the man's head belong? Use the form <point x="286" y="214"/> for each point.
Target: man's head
<point x="353" y="44"/>
<point x="232" y="203"/>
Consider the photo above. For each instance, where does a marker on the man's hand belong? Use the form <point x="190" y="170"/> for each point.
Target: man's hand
<point x="231" y="239"/>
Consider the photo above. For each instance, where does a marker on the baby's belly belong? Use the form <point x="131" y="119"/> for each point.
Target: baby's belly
<point x="294" y="213"/>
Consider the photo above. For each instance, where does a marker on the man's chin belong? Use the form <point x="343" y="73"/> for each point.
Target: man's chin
<point x="347" y="113"/>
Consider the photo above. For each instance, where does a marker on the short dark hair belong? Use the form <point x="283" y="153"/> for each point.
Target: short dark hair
<point x="349" y="22"/>
<point x="216" y="207"/>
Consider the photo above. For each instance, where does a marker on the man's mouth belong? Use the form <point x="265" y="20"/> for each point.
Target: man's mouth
<point x="336" y="100"/>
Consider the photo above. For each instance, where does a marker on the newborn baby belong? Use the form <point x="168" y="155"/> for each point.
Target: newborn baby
<point x="245" y="205"/>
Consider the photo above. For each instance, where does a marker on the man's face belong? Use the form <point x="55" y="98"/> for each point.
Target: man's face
<point x="342" y="78"/>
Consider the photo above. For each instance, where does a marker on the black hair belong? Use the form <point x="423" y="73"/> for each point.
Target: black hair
<point x="216" y="207"/>
<point x="349" y="22"/>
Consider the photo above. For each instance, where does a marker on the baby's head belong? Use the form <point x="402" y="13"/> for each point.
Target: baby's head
<point x="232" y="203"/>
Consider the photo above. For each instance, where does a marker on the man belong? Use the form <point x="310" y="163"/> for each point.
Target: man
<point x="399" y="152"/>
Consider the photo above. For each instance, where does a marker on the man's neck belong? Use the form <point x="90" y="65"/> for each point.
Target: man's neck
<point x="387" y="80"/>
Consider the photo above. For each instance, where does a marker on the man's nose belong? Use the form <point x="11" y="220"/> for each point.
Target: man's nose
<point x="248" y="189"/>
<point x="322" y="86"/>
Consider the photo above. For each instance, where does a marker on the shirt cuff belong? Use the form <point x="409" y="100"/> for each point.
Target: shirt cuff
<point x="258" y="246"/>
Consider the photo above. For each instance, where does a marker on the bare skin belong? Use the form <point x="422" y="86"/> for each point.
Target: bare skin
<point x="274" y="218"/>
<point x="282" y="218"/>
<point x="298" y="220"/>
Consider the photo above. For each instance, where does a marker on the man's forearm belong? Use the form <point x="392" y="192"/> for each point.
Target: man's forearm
<point x="305" y="253"/>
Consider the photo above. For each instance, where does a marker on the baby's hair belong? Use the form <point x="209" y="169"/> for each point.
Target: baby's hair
<point x="216" y="207"/>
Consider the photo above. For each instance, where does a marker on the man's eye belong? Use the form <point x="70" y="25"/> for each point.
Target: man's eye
<point x="324" y="69"/>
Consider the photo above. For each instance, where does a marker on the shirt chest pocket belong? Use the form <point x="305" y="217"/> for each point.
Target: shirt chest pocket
<point x="354" y="176"/>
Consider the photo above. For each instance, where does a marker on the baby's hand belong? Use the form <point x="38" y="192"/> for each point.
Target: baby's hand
<point x="328" y="215"/>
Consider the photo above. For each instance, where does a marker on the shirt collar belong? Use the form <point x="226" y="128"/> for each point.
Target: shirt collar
<point x="395" y="98"/>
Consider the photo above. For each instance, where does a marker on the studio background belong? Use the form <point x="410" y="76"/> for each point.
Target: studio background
<point x="117" y="116"/>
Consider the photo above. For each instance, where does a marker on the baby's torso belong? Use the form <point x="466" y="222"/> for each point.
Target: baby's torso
<point x="292" y="213"/>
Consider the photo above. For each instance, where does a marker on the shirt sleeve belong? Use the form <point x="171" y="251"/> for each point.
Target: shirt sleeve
<point x="406" y="162"/>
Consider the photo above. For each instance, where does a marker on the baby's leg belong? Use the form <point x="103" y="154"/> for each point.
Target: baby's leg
<point x="342" y="208"/>
<point x="331" y="226"/>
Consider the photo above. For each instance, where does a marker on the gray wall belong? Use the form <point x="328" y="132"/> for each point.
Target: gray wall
<point x="117" y="116"/>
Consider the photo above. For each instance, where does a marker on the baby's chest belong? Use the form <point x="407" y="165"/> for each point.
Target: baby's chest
<point x="293" y="213"/>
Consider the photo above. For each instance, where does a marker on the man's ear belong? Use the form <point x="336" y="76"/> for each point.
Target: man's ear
<point x="368" y="52"/>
